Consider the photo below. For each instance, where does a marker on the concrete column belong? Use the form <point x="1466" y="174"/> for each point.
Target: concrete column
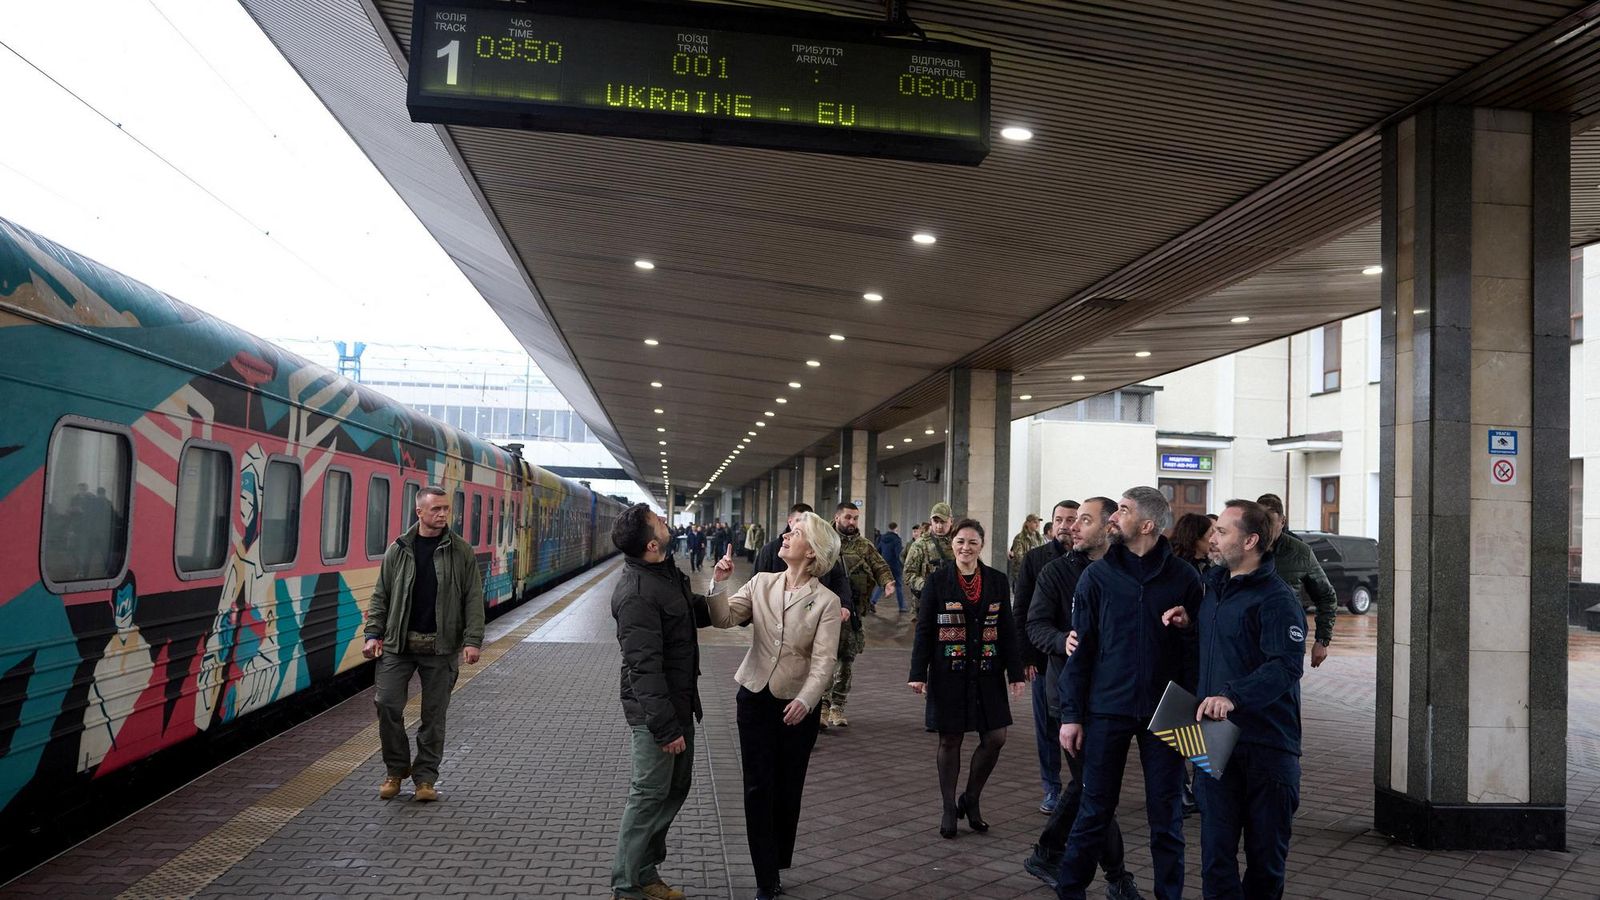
<point x="783" y="478"/>
<point x="1472" y="653"/>
<point x="1589" y="411"/>
<point x="978" y="454"/>
<point x="809" y="480"/>
<point x="858" y="468"/>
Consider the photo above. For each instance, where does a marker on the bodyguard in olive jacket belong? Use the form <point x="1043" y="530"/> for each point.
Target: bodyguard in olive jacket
<point x="657" y="615"/>
<point x="426" y="608"/>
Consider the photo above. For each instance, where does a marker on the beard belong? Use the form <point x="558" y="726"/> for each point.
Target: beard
<point x="847" y="530"/>
<point x="1115" y="536"/>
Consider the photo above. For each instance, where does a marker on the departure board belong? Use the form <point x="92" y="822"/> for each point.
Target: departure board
<point x="699" y="72"/>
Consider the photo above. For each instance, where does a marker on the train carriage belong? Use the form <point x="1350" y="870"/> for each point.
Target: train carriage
<point x="195" y="519"/>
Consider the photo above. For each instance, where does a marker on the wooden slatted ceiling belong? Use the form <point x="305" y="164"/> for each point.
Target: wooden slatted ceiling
<point x="1180" y="148"/>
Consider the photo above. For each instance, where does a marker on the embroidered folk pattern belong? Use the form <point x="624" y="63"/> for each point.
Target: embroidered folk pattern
<point x="952" y="634"/>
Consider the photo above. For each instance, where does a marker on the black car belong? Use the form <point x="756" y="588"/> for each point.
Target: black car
<point x="1351" y="564"/>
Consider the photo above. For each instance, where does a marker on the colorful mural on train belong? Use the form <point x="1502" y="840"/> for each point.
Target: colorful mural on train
<point x="194" y="518"/>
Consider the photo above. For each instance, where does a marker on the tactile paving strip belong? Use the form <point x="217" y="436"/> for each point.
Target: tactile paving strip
<point x="208" y="858"/>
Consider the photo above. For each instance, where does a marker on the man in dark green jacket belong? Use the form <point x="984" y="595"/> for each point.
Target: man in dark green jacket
<point x="426" y="608"/>
<point x="657" y="614"/>
<point x="1299" y="569"/>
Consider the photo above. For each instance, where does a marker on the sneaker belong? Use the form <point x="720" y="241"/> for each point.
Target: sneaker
<point x="390" y="788"/>
<point x="1190" y="805"/>
<point x="660" y="890"/>
<point x="838" y="717"/>
<point x="1042" y="868"/>
<point x="1051" y="798"/>
<point x="1123" y="888"/>
<point x="425" y="792"/>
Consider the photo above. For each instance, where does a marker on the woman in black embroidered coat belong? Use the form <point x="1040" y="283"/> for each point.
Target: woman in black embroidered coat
<point x="965" y="653"/>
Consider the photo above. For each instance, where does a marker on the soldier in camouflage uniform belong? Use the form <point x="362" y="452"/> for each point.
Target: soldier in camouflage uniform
<point x="928" y="552"/>
<point x="1026" y="539"/>
<point x="866" y="569"/>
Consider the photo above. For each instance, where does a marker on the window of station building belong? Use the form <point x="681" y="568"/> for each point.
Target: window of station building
<point x="458" y="514"/>
<point x="1374" y="346"/>
<point x="204" y="504"/>
<point x="335" y="515"/>
<point x="1575" y="294"/>
<point x="1332" y="344"/>
<point x="280" y="513"/>
<point x="477" y="519"/>
<point x="1127" y="405"/>
<point x="90" y="473"/>
<point x="377" y="516"/>
<point x="408" y="500"/>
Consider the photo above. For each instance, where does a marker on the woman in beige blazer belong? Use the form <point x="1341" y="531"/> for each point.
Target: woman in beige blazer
<point x="794" y="646"/>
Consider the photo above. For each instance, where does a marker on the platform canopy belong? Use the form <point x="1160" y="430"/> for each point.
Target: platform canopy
<point x="1192" y="163"/>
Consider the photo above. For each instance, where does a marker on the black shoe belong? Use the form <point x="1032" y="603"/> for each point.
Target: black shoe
<point x="1123" y="888"/>
<point x="947" y="823"/>
<point x="765" y="895"/>
<point x="968" y="807"/>
<point x="1190" y="805"/>
<point x="1042" y="868"/>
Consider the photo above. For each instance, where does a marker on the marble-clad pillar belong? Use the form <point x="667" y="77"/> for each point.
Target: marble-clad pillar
<point x="978" y="454"/>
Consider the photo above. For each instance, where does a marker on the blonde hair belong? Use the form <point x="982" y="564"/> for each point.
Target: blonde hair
<point x="823" y="540"/>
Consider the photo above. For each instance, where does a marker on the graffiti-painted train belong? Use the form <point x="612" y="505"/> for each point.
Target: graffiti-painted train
<point x="193" y="518"/>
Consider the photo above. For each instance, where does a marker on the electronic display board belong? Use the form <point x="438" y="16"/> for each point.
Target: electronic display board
<point x="713" y="74"/>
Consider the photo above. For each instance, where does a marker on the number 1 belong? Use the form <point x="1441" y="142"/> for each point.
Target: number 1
<point x="452" y="52"/>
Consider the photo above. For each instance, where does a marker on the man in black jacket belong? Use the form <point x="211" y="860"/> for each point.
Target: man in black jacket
<point x="657" y="615"/>
<point x="1252" y="644"/>
<point x="1045" y="723"/>
<point x="1049" y="628"/>
<point x="1128" y="650"/>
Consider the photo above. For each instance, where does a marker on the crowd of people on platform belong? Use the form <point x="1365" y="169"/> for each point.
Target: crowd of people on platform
<point x="1100" y="609"/>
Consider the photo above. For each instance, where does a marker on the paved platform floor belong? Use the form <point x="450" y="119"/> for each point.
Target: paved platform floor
<point x="536" y="770"/>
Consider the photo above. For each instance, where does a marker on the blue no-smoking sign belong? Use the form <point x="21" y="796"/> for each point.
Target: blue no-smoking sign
<point x="1502" y="442"/>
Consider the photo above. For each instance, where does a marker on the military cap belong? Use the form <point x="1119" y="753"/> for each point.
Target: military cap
<point x="941" y="510"/>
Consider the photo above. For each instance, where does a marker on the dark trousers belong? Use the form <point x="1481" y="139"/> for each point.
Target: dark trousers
<point x="1053" y="840"/>
<point x="1046" y="734"/>
<point x="393" y="680"/>
<point x="696" y="557"/>
<point x="775" y="758"/>
<point x="1105" y="754"/>
<point x="1257" y="797"/>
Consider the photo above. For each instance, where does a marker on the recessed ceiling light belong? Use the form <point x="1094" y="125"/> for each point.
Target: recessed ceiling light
<point x="888" y="446"/>
<point x="922" y="237"/>
<point x="929" y="431"/>
<point x="1016" y="133"/>
<point x="644" y="264"/>
<point x="1077" y="378"/>
<point x="661" y="430"/>
<point x="761" y="424"/>
<point x="835" y="337"/>
<point x="662" y="443"/>
<point x="1142" y="354"/>
<point x="795" y="385"/>
<point x="872" y="297"/>
<point x="660" y="411"/>
<point x="1239" y="320"/>
<point x="780" y="399"/>
<point x="651" y="342"/>
<point x="1372" y="270"/>
<point x="905" y="440"/>
<point x="655" y="384"/>
<point x="1025" y="397"/>
<point x="768" y="413"/>
<point x="751" y="433"/>
<point x="813" y="363"/>
<point x="663" y="453"/>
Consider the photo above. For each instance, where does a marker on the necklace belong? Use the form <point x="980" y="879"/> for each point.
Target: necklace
<point x="971" y="585"/>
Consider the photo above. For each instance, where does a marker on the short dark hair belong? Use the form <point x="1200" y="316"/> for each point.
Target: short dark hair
<point x="1107" y="507"/>
<point x="800" y="507"/>
<point x="893" y="525"/>
<point x="974" y="524"/>
<point x="846" y="505"/>
<point x="430" y="489"/>
<point x="1069" y="504"/>
<point x="1268" y="501"/>
<point x="1253" y="520"/>
<point x="631" y="532"/>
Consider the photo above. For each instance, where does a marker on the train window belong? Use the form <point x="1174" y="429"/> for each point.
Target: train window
<point x="460" y="512"/>
<point x="205" y="502"/>
<point x="86" y="513"/>
<point x="409" y="500"/>
<point x="477" y="519"/>
<point x="335" y="515"/>
<point x="378" y="516"/>
<point x="488" y="529"/>
<point x="280" y="512"/>
<point x="500" y="507"/>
